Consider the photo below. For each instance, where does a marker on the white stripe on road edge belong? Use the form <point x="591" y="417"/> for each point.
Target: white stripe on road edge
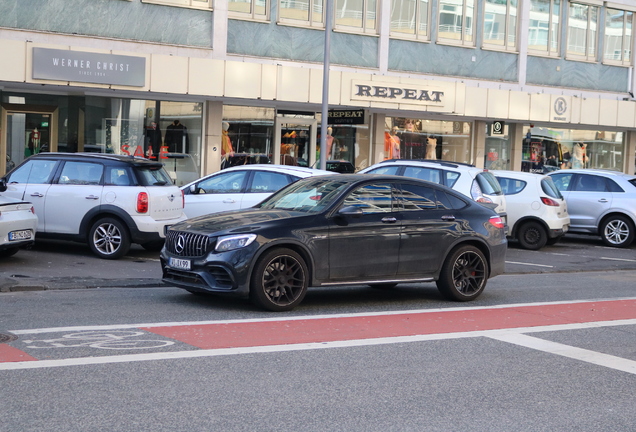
<point x="575" y="353"/>
<point x="618" y="259"/>
<point x="306" y="317"/>
<point x="494" y="334"/>
<point x="528" y="264"/>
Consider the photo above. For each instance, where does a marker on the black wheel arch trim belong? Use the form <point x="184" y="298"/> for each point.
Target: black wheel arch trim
<point x="524" y="219"/>
<point x="292" y="244"/>
<point x="107" y="210"/>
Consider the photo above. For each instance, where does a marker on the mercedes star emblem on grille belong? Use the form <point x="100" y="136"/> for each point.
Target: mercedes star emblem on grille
<point x="180" y="244"/>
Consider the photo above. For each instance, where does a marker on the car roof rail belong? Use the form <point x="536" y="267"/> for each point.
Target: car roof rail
<point x="450" y="164"/>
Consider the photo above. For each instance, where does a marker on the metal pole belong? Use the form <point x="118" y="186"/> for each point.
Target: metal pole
<point x="325" y="86"/>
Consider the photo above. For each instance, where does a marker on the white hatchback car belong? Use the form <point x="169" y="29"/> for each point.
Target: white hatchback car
<point x="240" y="187"/>
<point x="18" y="223"/>
<point x="476" y="183"/>
<point x="537" y="212"/>
<point x="107" y="201"/>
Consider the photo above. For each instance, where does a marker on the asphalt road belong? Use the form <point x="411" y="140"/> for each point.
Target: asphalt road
<point x="549" y="346"/>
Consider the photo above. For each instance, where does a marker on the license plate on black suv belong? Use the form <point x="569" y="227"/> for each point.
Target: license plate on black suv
<point x="181" y="264"/>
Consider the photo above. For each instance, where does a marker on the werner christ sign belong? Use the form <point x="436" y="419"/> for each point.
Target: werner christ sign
<point x="66" y="65"/>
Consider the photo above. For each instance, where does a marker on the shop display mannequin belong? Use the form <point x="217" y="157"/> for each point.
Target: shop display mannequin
<point x="392" y="144"/>
<point x="177" y="137"/>
<point x="579" y="156"/>
<point x="153" y="140"/>
<point x="226" y="144"/>
<point x="33" y="146"/>
<point x="331" y="149"/>
<point x="431" y="145"/>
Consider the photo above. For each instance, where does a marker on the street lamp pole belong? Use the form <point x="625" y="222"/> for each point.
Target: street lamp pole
<point x="325" y="86"/>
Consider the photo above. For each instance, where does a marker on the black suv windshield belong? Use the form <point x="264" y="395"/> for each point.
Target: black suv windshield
<point x="308" y="195"/>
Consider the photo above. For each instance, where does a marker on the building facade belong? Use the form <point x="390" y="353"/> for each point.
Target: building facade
<point x="529" y="85"/>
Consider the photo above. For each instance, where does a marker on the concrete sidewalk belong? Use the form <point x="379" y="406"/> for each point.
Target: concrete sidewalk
<point x="15" y="284"/>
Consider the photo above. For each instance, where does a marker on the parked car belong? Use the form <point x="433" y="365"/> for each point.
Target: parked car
<point x="240" y="187"/>
<point x="600" y="202"/>
<point x="180" y="167"/>
<point x="337" y="230"/>
<point x="18" y="224"/>
<point x="537" y="212"/>
<point x="475" y="183"/>
<point x="108" y="201"/>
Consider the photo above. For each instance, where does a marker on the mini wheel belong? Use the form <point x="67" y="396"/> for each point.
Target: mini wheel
<point x="109" y="238"/>
<point x="279" y="281"/>
<point x="617" y="231"/>
<point x="464" y="274"/>
<point x="532" y="235"/>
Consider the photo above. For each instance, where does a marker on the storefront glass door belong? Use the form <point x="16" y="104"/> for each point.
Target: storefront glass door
<point x="295" y="142"/>
<point x="26" y="134"/>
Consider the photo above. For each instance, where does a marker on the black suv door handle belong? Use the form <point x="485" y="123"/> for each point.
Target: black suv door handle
<point x="389" y="220"/>
<point x="448" y="217"/>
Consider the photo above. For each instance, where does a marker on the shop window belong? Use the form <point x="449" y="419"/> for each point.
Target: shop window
<point x="497" y="149"/>
<point x="544" y="27"/>
<point x="545" y="150"/>
<point x="456" y="21"/>
<point x="248" y="9"/>
<point x="359" y="16"/>
<point x="199" y="4"/>
<point x="408" y="138"/>
<point x="500" y="24"/>
<point x="582" y="31"/>
<point x="411" y="19"/>
<point x="248" y="133"/>
<point x="618" y="36"/>
<point x="306" y="13"/>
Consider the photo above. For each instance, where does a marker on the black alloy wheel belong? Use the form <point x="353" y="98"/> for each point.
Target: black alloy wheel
<point x="532" y="235"/>
<point x="280" y="280"/>
<point x="109" y="238"/>
<point x="464" y="274"/>
<point x="617" y="231"/>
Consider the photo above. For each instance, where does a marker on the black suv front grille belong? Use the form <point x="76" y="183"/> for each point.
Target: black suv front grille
<point x="187" y="244"/>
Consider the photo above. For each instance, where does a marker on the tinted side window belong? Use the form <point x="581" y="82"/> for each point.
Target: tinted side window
<point x="372" y="198"/>
<point x="153" y="176"/>
<point x="229" y="182"/>
<point x="265" y="181"/>
<point x="117" y="176"/>
<point x="429" y="174"/>
<point x="389" y="170"/>
<point x="35" y="171"/>
<point x="449" y="202"/>
<point x="562" y="181"/>
<point x="450" y="178"/>
<point x="613" y="186"/>
<point x="417" y="197"/>
<point x="589" y="183"/>
<point x="511" y="186"/>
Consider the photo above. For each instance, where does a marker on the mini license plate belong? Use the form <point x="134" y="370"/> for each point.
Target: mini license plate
<point x="20" y="235"/>
<point x="181" y="264"/>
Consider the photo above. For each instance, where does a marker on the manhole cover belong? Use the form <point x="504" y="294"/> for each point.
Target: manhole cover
<point x="4" y="338"/>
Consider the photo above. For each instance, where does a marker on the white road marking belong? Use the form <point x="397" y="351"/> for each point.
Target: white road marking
<point x="581" y="354"/>
<point x="505" y="335"/>
<point x="528" y="264"/>
<point x="618" y="259"/>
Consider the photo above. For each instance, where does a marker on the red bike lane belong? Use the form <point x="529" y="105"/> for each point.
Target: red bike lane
<point x="322" y="329"/>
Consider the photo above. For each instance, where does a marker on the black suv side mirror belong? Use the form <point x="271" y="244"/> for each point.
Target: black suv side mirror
<point x="3" y="184"/>
<point x="350" y="211"/>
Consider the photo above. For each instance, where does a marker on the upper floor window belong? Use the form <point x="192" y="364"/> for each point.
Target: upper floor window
<point x="456" y="18"/>
<point x="500" y="23"/>
<point x="618" y="36"/>
<point x="544" y="27"/>
<point x="357" y="15"/>
<point x="582" y="31"/>
<point x="199" y="4"/>
<point x="301" y="12"/>
<point x="410" y="18"/>
<point x="254" y="9"/>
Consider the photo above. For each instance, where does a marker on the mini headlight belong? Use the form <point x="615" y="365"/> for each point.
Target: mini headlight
<point x="228" y="243"/>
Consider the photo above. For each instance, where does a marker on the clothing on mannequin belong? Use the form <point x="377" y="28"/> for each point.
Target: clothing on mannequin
<point x="226" y="142"/>
<point x="177" y="137"/>
<point x="332" y="144"/>
<point x="153" y="140"/>
<point x="33" y="146"/>
<point x="392" y="144"/>
<point x="431" y="148"/>
<point x="579" y="155"/>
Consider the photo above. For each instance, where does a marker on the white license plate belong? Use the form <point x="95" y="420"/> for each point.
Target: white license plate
<point x="181" y="264"/>
<point x="20" y="235"/>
